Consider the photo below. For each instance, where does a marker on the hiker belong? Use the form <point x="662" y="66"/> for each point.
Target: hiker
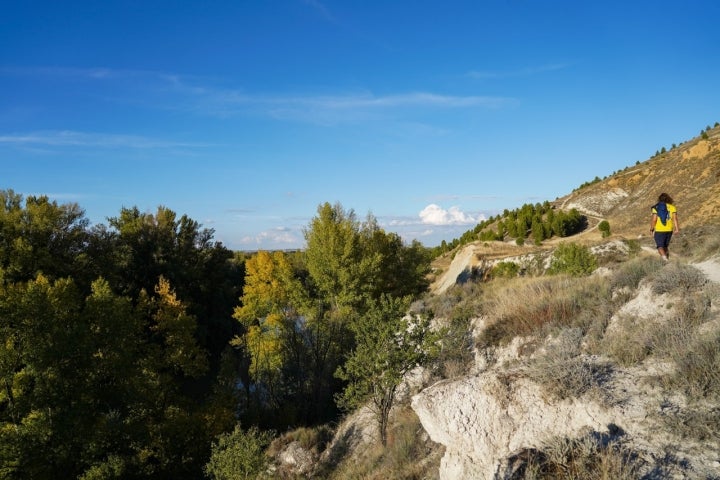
<point x="664" y="223"/>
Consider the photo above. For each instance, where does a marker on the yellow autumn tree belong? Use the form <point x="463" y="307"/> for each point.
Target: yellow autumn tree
<point x="177" y="330"/>
<point x="272" y="298"/>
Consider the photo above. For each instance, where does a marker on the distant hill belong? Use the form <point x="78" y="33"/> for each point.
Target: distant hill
<point x="690" y="173"/>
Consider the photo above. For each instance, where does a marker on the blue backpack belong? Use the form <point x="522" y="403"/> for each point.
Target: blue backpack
<point x="662" y="212"/>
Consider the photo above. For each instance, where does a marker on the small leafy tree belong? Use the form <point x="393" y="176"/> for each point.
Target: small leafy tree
<point x="572" y="259"/>
<point x="239" y="455"/>
<point x="604" y="228"/>
<point x="389" y="345"/>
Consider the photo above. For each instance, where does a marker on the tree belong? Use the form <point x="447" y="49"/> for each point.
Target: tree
<point x="393" y="268"/>
<point x="604" y="228"/>
<point x="144" y="247"/>
<point x="334" y="256"/>
<point x="40" y="237"/>
<point x="389" y="345"/>
<point x="271" y="304"/>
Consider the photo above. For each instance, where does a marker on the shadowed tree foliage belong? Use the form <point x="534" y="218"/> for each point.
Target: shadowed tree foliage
<point x="106" y="370"/>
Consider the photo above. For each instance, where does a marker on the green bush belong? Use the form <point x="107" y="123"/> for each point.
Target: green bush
<point x="572" y="259"/>
<point x="505" y="270"/>
<point x="239" y="455"/>
<point x="604" y="228"/>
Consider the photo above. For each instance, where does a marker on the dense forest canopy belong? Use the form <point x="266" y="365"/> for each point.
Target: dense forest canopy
<point x="129" y="348"/>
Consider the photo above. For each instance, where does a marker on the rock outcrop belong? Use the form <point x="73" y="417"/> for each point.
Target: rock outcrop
<point x="487" y="418"/>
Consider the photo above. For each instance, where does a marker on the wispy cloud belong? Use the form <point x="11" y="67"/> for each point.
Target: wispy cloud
<point x="209" y="97"/>
<point x="66" y="138"/>
<point x="335" y="109"/>
<point x="367" y="101"/>
<point x="523" y="72"/>
<point x="321" y="9"/>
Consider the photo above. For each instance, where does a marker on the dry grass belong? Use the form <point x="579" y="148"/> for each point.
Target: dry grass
<point x="677" y="277"/>
<point x="563" y="371"/>
<point x="537" y="306"/>
<point x="587" y="458"/>
<point x="313" y="439"/>
<point x="400" y="460"/>
<point x="629" y="274"/>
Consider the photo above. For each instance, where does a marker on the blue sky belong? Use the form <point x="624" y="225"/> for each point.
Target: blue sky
<point x="246" y="115"/>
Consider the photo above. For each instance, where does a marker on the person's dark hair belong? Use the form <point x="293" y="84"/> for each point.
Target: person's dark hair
<point x="664" y="197"/>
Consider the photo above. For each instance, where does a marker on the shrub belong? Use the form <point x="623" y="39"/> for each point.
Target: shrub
<point x="698" y="367"/>
<point x="674" y="339"/>
<point x="572" y="259"/>
<point x="633" y="271"/>
<point x="239" y="454"/>
<point x="562" y="371"/>
<point x="590" y="457"/>
<point x="630" y="345"/>
<point x="677" y="277"/>
<point x="604" y="228"/>
<point x="505" y="270"/>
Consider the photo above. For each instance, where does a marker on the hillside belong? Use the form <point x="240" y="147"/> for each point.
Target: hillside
<point x="690" y="173"/>
<point x="612" y="375"/>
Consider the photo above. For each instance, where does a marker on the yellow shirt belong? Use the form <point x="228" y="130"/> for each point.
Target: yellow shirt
<point x="668" y="227"/>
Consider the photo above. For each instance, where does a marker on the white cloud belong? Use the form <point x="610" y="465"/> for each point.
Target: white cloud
<point x="436" y="215"/>
<point x="279" y="237"/>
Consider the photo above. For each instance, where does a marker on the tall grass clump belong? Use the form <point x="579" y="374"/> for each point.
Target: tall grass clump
<point x="587" y="458"/>
<point x="563" y="371"/>
<point x="630" y="273"/>
<point x="536" y="306"/>
<point x="677" y="277"/>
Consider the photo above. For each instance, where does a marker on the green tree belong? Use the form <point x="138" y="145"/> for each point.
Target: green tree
<point x="538" y="230"/>
<point x="40" y="237"/>
<point x="389" y="345"/>
<point x="393" y="267"/>
<point x="143" y="247"/>
<point x="334" y="256"/>
<point x="604" y="228"/>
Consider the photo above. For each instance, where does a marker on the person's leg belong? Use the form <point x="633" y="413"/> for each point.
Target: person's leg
<point x="662" y="240"/>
